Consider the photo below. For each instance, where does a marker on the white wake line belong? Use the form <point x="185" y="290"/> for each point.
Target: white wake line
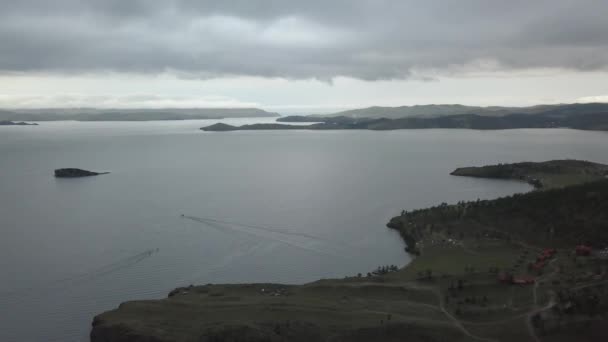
<point x="92" y="274"/>
<point x="229" y="229"/>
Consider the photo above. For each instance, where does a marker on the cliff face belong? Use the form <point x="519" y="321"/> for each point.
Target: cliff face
<point x="264" y="332"/>
<point x="247" y="313"/>
<point x="117" y="333"/>
<point x="296" y="332"/>
<point x="351" y="309"/>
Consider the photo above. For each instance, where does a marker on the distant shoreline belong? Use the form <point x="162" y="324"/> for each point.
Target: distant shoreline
<point x="589" y="116"/>
<point x="585" y="121"/>
<point x="159" y="114"/>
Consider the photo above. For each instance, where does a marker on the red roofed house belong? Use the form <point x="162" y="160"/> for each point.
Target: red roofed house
<point x="505" y="278"/>
<point x="583" y="250"/>
<point x="542" y="258"/>
<point x="539" y="265"/>
<point x="523" y="281"/>
<point x="546" y="254"/>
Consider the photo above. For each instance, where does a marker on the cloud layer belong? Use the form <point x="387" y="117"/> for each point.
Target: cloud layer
<point x="362" y="39"/>
<point x="125" y="101"/>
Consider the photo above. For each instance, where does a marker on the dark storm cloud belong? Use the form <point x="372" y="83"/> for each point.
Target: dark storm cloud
<point x="300" y="39"/>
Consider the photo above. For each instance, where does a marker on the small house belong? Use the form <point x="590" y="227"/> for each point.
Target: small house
<point x="539" y="265"/>
<point x="523" y="281"/>
<point x="505" y="278"/>
<point x="583" y="250"/>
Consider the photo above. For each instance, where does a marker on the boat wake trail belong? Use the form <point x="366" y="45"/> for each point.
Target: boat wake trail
<point x="275" y="234"/>
<point x="92" y="274"/>
<point x="113" y="267"/>
<point x="243" y="250"/>
<point x="267" y="229"/>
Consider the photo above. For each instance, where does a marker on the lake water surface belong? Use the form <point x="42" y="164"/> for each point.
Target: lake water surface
<point x="288" y="206"/>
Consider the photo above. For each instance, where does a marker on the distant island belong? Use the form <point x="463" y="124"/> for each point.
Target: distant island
<point x="554" y="173"/>
<point x="96" y="114"/>
<point x="584" y="121"/>
<point x="588" y="116"/>
<point x="438" y="110"/>
<point x="222" y="127"/>
<point x="76" y="173"/>
<point x="12" y="123"/>
<point x="520" y="268"/>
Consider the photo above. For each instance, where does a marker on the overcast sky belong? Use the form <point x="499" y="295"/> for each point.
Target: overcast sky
<point x="301" y="56"/>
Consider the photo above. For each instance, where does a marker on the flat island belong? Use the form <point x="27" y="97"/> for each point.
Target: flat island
<point x="76" y="173"/>
<point x="222" y="127"/>
<point x="548" y="174"/>
<point x="15" y="123"/>
<point x="528" y="267"/>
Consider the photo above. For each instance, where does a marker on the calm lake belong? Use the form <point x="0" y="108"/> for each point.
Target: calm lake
<point x="263" y="206"/>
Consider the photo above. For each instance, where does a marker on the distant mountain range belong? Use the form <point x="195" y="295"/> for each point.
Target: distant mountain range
<point x="433" y="111"/>
<point x="95" y="114"/>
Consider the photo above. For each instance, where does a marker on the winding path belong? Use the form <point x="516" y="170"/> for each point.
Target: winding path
<point x="537" y="310"/>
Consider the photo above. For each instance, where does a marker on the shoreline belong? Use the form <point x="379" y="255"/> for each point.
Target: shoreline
<point x="325" y="308"/>
<point x="587" y="121"/>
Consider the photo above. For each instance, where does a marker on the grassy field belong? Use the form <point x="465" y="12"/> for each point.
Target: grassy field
<point x="336" y="310"/>
<point x="408" y="302"/>
<point x="471" y="244"/>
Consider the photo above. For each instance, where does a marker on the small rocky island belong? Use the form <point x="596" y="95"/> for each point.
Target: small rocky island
<point x="13" y="123"/>
<point x="75" y="173"/>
